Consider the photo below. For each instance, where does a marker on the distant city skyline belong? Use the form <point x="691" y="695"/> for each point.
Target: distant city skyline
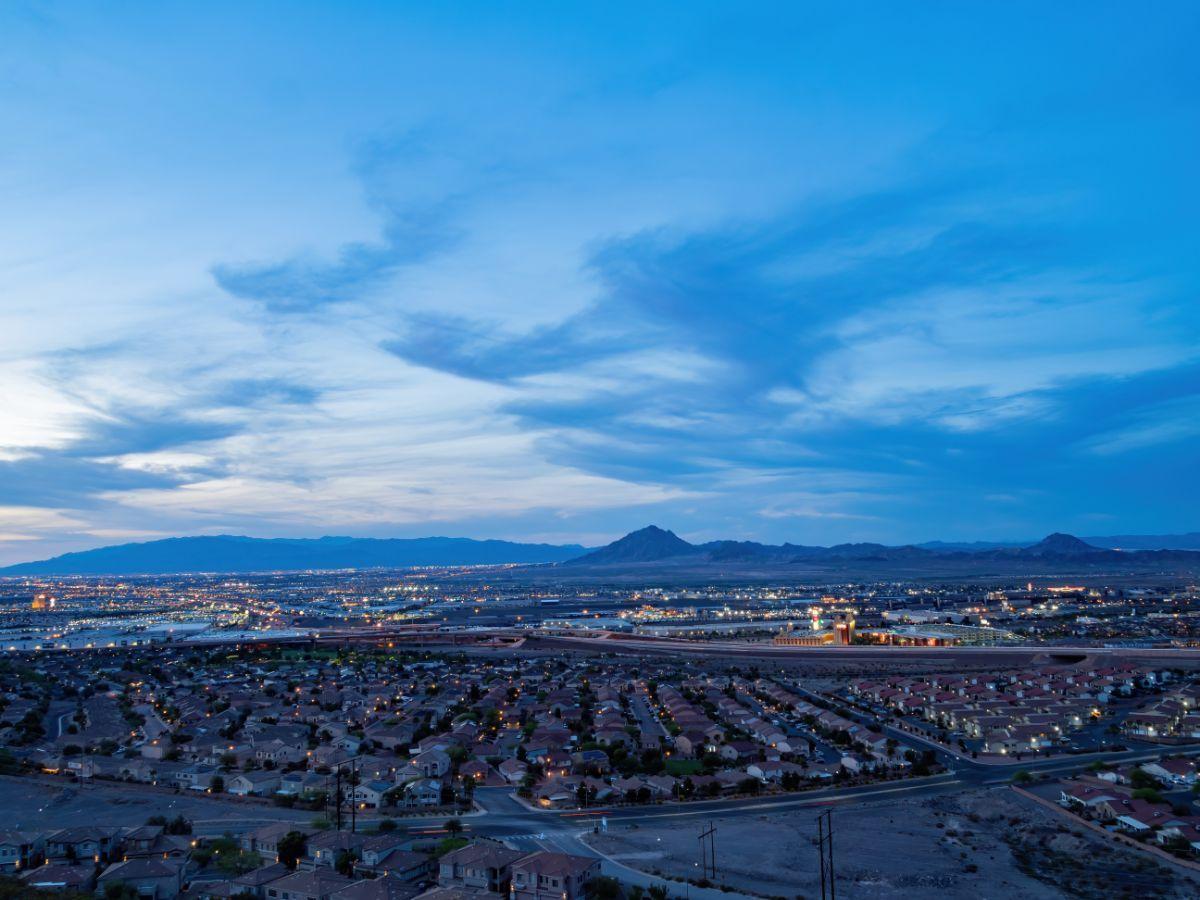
<point x="878" y="273"/>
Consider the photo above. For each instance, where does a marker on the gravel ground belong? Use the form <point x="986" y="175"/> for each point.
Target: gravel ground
<point x="30" y="804"/>
<point x="979" y="845"/>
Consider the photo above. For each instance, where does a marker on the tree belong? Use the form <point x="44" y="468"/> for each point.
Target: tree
<point x="749" y="786"/>
<point x="217" y="784"/>
<point x="238" y="862"/>
<point x="454" y="827"/>
<point x="13" y="889"/>
<point x="1140" y="778"/>
<point x="292" y="847"/>
<point x="604" y="887"/>
<point x="1022" y="777"/>
<point x="178" y="825"/>
<point x="1150" y="795"/>
<point x="449" y="845"/>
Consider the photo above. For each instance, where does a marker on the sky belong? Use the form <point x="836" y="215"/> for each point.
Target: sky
<point x="781" y="272"/>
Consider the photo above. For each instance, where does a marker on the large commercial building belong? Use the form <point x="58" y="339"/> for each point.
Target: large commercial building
<point x="839" y="631"/>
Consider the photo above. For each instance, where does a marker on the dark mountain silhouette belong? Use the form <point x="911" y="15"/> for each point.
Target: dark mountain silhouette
<point x="1187" y="541"/>
<point x="738" y="551"/>
<point x="864" y="551"/>
<point x="233" y="553"/>
<point x="653" y="549"/>
<point x="1059" y="544"/>
<point x="972" y="546"/>
<point x="649" y="544"/>
<point x="647" y="550"/>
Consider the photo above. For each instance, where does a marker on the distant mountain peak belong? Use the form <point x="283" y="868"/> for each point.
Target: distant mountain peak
<point x="653" y="533"/>
<point x="648" y="544"/>
<point x="1059" y="544"/>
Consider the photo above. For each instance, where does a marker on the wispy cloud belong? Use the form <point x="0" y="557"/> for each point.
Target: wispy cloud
<point x="415" y="195"/>
<point x="792" y="281"/>
<point x="910" y="309"/>
<point x="1166" y="423"/>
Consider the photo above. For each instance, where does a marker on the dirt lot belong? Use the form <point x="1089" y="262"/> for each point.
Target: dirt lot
<point x="981" y="845"/>
<point x="35" y="804"/>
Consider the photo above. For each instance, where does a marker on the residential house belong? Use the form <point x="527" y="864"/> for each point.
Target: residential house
<point x="152" y="879"/>
<point x="552" y="876"/>
<point x="423" y="792"/>
<point x="258" y="784"/>
<point x="481" y="866"/>
<point x="317" y="884"/>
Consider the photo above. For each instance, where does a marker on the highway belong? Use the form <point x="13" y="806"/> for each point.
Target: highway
<point x="1016" y="655"/>
<point x="644" y="645"/>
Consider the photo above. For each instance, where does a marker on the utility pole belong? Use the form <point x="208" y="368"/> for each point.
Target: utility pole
<point x="709" y="857"/>
<point x="353" y="803"/>
<point x="825" y="853"/>
<point x="337" y="798"/>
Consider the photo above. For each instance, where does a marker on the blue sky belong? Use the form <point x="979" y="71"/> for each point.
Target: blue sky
<point x="789" y="272"/>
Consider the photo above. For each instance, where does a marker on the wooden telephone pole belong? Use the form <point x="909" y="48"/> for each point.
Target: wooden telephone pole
<point x="708" y="855"/>
<point x="825" y="852"/>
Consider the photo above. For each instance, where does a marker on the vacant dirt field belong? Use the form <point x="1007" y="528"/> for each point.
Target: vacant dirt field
<point x="980" y="845"/>
<point x="35" y="804"/>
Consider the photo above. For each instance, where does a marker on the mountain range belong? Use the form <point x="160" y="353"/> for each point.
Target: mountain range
<point x="1188" y="541"/>
<point x="650" y="549"/>
<point x="661" y="551"/>
<point x="654" y="544"/>
<point x="227" y="553"/>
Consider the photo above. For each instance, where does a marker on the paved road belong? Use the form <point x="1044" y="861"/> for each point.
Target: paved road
<point x="55" y="719"/>
<point x="504" y="816"/>
<point x="649" y="722"/>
